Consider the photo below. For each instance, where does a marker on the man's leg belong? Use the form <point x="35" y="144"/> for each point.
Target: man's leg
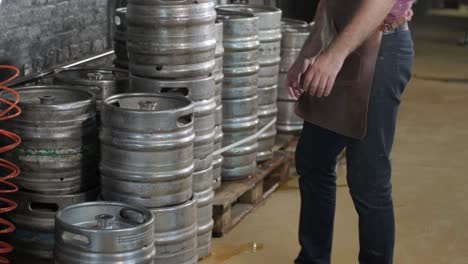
<point x="369" y="168"/>
<point x="315" y="162"/>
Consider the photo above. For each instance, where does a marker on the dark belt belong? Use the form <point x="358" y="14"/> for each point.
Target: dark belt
<point x="403" y="27"/>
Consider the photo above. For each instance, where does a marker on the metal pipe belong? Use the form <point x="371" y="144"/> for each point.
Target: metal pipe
<point x="88" y="59"/>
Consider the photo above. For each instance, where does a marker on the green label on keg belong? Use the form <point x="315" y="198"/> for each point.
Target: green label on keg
<point x="56" y="154"/>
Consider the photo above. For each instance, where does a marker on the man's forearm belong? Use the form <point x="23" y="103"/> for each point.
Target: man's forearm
<point x="369" y="16"/>
<point x="312" y="45"/>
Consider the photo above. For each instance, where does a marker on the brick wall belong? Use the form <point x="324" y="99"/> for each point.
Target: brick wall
<point x="37" y="34"/>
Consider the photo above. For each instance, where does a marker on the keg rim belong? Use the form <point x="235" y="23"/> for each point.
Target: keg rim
<point x="255" y="9"/>
<point x="229" y="15"/>
<point x="59" y="75"/>
<point x="292" y="22"/>
<point x="298" y="28"/>
<point x="149" y="217"/>
<point x="72" y="88"/>
<point x="188" y="107"/>
<point x="192" y="202"/>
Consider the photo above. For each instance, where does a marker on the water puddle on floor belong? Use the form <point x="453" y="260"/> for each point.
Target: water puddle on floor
<point x="224" y="253"/>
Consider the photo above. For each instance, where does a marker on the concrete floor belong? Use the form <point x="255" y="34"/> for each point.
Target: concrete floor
<point x="430" y="177"/>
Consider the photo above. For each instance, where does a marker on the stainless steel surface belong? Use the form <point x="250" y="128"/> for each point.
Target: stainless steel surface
<point x="58" y="153"/>
<point x="202" y="92"/>
<point x="171" y="39"/>
<point x="239" y="97"/>
<point x="267" y="111"/>
<point x="120" y="38"/>
<point x="267" y="95"/>
<point x="269" y="34"/>
<point x="219" y="111"/>
<point x="240" y="61"/>
<point x="147" y="149"/>
<point x="103" y="82"/>
<point x="34" y="219"/>
<point x="218" y="72"/>
<point x="288" y="121"/>
<point x="266" y="141"/>
<point x="176" y="234"/>
<point x="205" y="221"/>
<point x="219" y="77"/>
<point x="282" y="90"/>
<point x="295" y="33"/>
<point x="203" y="164"/>
<point x="217" y="158"/>
<point x="246" y="139"/>
<point x="240" y="121"/>
<point x="203" y="179"/>
<point x="104" y="232"/>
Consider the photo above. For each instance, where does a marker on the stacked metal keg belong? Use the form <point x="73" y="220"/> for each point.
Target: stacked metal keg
<point x="104" y="232"/>
<point x="295" y="33"/>
<point x="147" y="159"/>
<point x="269" y="24"/>
<point x="171" y="47"/>
<point x="239" y="96"/>
<point x="171" y="39"/>
<point x="120" y="38"/>
<point x="58" y="161"/>
<point x="219" y="78"/>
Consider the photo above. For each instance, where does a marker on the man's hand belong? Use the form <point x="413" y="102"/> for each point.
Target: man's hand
<point x="320" y="76"/>
<point x="294" y="77"/>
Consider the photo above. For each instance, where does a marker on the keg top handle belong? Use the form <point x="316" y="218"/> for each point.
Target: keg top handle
<point x="183" y="117"/>
<point x="58" y="73"/>
<point x="50" y="202"/>
<point x="187" y="87"/>
<point x="88" y="237"/>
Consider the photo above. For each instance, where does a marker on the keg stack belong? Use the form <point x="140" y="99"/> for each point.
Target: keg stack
<point x="147" y="153"/>
<point x="239" y="96"/>
<point x="270" y="47"/>
<point x="269" y="34"/>
<point x="171" y="47"/>
<point x="295" y="33"/>
<point x="58" y="161"/>
<point x="219" y="78"/>
<point x="104" y="232"/>
<point x="120" y="38"/>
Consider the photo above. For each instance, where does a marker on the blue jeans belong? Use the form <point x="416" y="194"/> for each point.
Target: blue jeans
<point x="368" y="162"/>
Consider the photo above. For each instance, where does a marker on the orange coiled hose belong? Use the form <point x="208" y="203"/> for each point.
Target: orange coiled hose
<point x="11" y="111"/>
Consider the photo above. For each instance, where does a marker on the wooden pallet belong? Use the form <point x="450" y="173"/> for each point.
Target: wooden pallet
<point x="234" y="200"/>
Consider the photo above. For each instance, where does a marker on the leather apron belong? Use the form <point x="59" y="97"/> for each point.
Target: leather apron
<point x="344" y="111"/>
